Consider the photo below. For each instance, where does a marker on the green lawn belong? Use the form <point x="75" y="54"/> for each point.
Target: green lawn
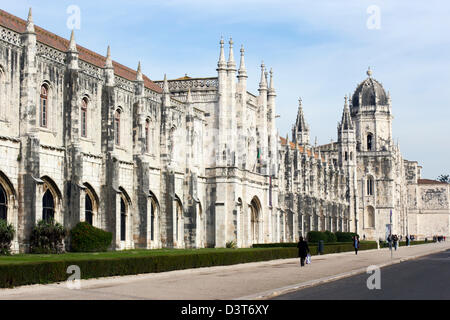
<point x="24" y="258"/>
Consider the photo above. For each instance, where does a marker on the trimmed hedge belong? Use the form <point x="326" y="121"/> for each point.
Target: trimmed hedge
<point x="12" y="275"/>
<point x="326" y="236"/>
<point x="328" y="247"/>
<point x="87" y="238"/>
<point x="42" y="272"/>
<point x="345" y="236"/>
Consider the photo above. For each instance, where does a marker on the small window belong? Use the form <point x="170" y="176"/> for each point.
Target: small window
<point x="117" y="127"/>
<point x="147" y="135"/>
<point x="369" y="142"/>
<point x="84" y="106"/>
<point x="346" y="155"/>
<point x="369" y="186"/>
<point x="44" y="106"/>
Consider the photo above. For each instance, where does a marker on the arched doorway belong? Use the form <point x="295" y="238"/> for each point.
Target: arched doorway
<point x="255" y="209"/>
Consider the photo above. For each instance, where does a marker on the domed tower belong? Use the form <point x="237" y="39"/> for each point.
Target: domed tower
<point x="371" y="112"/>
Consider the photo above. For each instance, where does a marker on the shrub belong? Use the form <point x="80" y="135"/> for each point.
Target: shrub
<point x="6" y="236"/>
<point x="47" y="237"/>
<point x="315" y="236"/>
<point x="344" y="236"/>
<point x="330" y="236"/>
<point x="231" y="244"/>
<point x="87" y="238"/>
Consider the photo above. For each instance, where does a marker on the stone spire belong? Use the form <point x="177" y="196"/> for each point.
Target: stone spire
<point x="108" y="62"/>
<point x="231" y="63"/>
<point x="242" y="73"/>
<point x="346" y="122"/>
<point x="189" y="97"/>
<point x="301" y="130"/>
<point x="109" y="69"/>
<point x="301" y="122"/>
<point x="30" y="24"/>
<point x="72" y="43"/>
<point x="139" y="76"/>
<point x="271" y="87"/>
<point x="165" y="85"/>
<point x="72" y="53"/>
<point x="263" y="82"/>
<point x="222" y="63"/>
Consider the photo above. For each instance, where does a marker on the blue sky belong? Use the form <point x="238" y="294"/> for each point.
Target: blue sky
<point x="319" y="50"/>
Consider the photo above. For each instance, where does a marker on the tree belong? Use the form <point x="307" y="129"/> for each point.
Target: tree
<point x="444" y="178"/>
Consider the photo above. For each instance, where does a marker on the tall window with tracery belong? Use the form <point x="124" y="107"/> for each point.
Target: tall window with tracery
<point x="147" y="135"/>
<point x="44" y="106"/>
<point x="3" y="204"/>
<point x="84" y="107"/>
<point x="117" y="127"/>
<point x="369" y="186"/>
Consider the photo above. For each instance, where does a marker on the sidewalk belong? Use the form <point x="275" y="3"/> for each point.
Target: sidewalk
<point x="256" y="280"/>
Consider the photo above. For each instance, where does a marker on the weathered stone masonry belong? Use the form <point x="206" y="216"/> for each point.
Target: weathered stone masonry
<point x="190" y="162"/>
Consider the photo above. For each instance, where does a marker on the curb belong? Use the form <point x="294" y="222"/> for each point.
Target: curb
<point x="311" y="283"/>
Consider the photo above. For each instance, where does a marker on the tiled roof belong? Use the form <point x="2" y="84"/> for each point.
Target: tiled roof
<point x="300" y="148"/>
<point x="429" y="181"/>
<point x="19" y="25"/>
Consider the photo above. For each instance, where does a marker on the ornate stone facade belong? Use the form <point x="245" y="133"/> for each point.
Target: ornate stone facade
<point x="189" y="162"/>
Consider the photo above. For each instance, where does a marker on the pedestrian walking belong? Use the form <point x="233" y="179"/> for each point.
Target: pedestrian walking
<point x="356" y="244"/>
<point x="395" y="242"/>
<point x="303" y="250"/>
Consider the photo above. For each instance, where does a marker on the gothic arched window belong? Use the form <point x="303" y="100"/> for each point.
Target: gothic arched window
<point x="84" y="106"/>
<point x="48" y="206"/>
<point x="88" y="209"/>
<point x="117" y="127"/>
<point x="123" y="220"/>
<point x="147" y="135"/>
<point x="3" y="204"/>
<point x="369" y="142"/>
<point x="44" y="106"/>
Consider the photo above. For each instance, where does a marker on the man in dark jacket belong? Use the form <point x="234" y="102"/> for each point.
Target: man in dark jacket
<point x="303" y="250"/>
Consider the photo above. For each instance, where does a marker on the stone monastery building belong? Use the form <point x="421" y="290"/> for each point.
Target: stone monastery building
<point x="191" y="162"/>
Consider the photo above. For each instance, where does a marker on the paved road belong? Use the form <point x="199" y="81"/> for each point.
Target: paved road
<point x="256" y="280"/>
<point x="424" y="278"/>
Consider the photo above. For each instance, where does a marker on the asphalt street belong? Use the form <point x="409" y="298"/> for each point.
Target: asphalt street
<point x="426" y="278"/>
